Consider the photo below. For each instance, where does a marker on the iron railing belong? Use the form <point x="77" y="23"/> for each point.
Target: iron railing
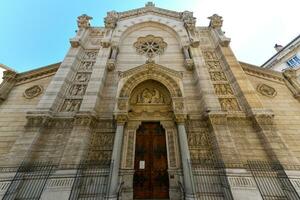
<point x="272" y="181"/>
<point x="89" y="180"/>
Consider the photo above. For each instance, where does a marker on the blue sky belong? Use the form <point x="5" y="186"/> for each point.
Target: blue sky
<point x="36" y="33"/>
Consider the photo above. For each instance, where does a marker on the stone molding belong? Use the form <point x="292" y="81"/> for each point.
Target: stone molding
<point x="9" y="81"/>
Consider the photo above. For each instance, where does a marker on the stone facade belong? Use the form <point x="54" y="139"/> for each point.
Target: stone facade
<point x="152" y="64"/>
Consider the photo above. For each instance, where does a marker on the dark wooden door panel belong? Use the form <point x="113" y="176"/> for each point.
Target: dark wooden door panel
<point x="151" y="178"/>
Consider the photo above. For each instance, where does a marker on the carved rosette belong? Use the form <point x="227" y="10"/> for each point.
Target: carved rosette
<point x="266" y="90"/>
<point x="150" y="46"/>
<point x="33" y="91"/>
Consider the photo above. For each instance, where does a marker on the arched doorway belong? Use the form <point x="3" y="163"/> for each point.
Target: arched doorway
<point x="150" y="102"/>
<point x="151" y="179"/>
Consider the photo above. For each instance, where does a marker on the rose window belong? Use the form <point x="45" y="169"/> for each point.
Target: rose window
<point x="150" y="46"/>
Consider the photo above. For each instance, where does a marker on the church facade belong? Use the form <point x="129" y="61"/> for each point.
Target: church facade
<point x="150" y="106"/>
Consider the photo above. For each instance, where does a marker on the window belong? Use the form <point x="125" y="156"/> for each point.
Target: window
<point x="294" y="61"/>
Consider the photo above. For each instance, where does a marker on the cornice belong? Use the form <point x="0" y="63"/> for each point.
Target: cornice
<point x="262" y="72"/>
<point x="36" y="74"/>
<point x="149" y="9"/>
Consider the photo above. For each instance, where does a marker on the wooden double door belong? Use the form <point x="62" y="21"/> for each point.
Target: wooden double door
<point x="151" y="179"/>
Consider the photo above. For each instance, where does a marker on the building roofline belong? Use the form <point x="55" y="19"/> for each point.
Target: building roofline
<point x="285" y="47"/>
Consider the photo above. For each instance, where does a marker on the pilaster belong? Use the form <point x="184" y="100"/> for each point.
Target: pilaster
<point x="79" y="141"/>
<point x="224" y="145"/>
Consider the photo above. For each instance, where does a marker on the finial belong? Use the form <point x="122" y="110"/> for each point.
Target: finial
<point x="150" y="4"/>
<point x="83" y="21"/>
<point x="215" y="21"/>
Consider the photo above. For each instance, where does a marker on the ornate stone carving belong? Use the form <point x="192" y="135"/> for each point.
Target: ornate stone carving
<point x="150" y="46"/>
<point x="217" y="76"/>
<point x="171" y="144"/>
<point x="178" y="106"/>
<point x="130" y="148"/>
<point x="75" y="42"/>
<point x="82" y="77"/>
<point x="121" y="118"/>
<point x="77" y="90"/>
<point x="229" y="104"/>
<point x="152" y="96"/>
<point x="71" y="105"/>
<point x="95" y="32"/>
<point x="223" y="89"/>
<point x="111" y="20"/>
<point x="266" y="90"/>
<point x="213" y="65"/>
<point x="90" y="55"/>
<point x="33" y="91"/>
<point x="86" y="66"/>
<point x="83" y="21"/>
<point x="209" y="55"/>
<point x="122" y="104"/>
<point x="198" y="140"/>
<point x="292" y="82"/>
<point x="189" y="20"/>
<point x="215" y="21"/>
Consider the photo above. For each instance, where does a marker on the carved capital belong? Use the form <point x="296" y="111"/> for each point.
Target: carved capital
<point x="83" y="21"/>
<point x="121" y="118"/>
<point x="180" y="118"/>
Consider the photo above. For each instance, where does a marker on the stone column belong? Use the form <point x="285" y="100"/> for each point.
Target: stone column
<point x="116" y="158"/>
<point x="185" y="159"/>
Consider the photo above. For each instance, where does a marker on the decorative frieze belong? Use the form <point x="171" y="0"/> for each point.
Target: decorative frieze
<point x="33" y="91"/>
<point x="77" y="89"/>
<point x="221" y="85"/>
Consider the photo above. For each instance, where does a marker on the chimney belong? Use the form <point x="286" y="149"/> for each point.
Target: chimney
<point x="278" y="47"/>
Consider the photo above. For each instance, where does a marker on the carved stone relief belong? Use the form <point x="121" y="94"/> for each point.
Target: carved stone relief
<point x="90" y="55"/>
<point x="71" y="105"/>
<point x="209" y="55"/>
<point x="213" y="65"/>
<point x="33" y="91"/>
<point x="266" y="90"/>
<point x="223" y="89"/>
<point x="86" y="66"/>
<point x="171" y="146"/>
<point x="152" y="96"/>
<point x="217" y="76"/>
<point x="229" y="104"/>
<point x="82" y="77"/>
<point x="77" y="90"/>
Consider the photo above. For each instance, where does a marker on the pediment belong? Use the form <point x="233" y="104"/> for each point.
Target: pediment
<point x="151" y="68"/>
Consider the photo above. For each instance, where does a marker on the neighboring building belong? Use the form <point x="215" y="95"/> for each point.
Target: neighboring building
<point x="150" y="107"/>
<point x="287" y="57"/>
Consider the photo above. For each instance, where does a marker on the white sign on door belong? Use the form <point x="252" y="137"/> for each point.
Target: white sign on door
<point x="142" y="164"/>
